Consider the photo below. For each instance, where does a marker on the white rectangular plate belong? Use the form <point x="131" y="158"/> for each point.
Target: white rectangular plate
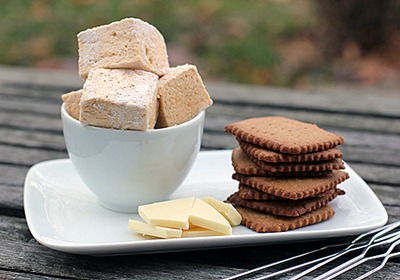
<point x="63" y="214"/>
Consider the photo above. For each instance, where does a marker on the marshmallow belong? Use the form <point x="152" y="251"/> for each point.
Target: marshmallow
<point x="119" y="99"/>
<point x="71" y="103"/>
<point x="182" y="95"/>
<point x="130" y="43"/>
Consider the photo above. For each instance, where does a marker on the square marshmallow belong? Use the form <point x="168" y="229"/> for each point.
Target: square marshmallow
<point x="130" y="43"/>
<point x="71" y="103"/>
<point x="119" y="99"/>
<point x="182" y="95"/>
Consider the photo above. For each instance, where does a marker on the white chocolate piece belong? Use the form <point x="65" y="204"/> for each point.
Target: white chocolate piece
<point x="146" y="229"/>
<point x="129" y="43"/>
<point x="199" y="232"/>
<point x="205" y="216"/>
<point x="172" y="213"/>
<point x="182" y="95"/>
<point x="119" y="99"/>
<point x="226" y="209"/>
<point x="71" y="103"/>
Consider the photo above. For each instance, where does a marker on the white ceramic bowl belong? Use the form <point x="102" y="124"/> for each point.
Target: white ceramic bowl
<point x="125" y="168"/>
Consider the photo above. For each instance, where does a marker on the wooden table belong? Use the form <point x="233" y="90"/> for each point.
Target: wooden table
<point x="30" y="132"/>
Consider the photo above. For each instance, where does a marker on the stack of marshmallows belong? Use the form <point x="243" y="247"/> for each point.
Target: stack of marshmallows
<point x="128" y="81"/>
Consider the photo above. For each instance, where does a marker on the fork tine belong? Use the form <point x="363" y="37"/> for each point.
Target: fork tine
<point x="291" y="268"/>
<point x="360" y="259"/>
<point x="283" y="261"/>
<point x="383" y="263"/>
<point x="327" y="258"/>
<point x="378" y="233"/>
<point x="384" y="255"/>
<point x="391" y="225"/>
<point x="353" y="243"/>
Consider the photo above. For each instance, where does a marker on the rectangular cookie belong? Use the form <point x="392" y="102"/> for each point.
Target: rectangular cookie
<point x="284" y="135"/>
<point x="243" y="164"/>
<point x="285" y="207"/>
<point x="182" y="95"/>
<point x="130" y="43"/>
<point x="119" y="99"/>
<point x="293" y="188"/>
<point x="263" y="222"/>
<point x="263" y="154"/>
<point x="249" y="193"/>
<point x="310" y="166"/>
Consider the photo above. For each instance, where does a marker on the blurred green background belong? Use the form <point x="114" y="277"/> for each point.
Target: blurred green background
<point x="281" y="42"/>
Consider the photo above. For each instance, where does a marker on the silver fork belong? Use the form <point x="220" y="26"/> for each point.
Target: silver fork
<point x="379" y="267"/>
<point x="386" y="239"/>
<point x="381" y="241"/>
<point x="354" y="245"/>
<point x="287" y="260"/>
<point x="388" y="254"/>
<point x="394" y="241"/>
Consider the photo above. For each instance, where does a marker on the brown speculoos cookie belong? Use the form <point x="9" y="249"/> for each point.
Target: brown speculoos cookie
<point x="243" y="164"/>
<point x="284" y="135"/>
<point x="247" y="192"/>
<point x="263" y="154"/>
<point x="263" y="222"/>
<point x="285" y="207"/>
<point x="293" y="188"/>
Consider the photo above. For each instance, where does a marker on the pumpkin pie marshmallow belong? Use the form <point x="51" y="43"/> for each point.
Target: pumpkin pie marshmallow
<point x="182" y="95"/>
<point x="71" y="103"/>
<point x="129" y="43"/>
<point x="119" y="99"/>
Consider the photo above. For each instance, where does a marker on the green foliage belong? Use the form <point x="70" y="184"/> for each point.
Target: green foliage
<point x="236" y="40"/>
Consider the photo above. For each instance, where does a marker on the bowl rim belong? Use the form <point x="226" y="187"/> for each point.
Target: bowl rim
<point x="197" y="118"/>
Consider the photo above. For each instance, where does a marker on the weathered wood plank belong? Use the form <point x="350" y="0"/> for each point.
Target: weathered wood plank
<point x="11" y="201"/>
<point x="344" y="102"/>
<point x="27" y="121"/>
<point x="362" y="139"/>
<point x="37" y="92"/>
<point x="28" y="156"/>
<point x="378" y="174"/>
<point x="216" y="141"/>
<point x="32" y="139"/>
<point x="12" y="175"/>
<point x="40" y="259"/>
<point x="18" y="227"/>
<point x="4" y="274"/>
<point x="323" y="119"/>
<point x="389" y="195"/>
<point x="370" y="155"/>
<point x="53" y="77"/>
<point x="41" y="106"/>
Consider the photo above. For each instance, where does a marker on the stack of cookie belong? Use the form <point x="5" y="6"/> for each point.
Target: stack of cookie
<point x="288" y="172"/>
